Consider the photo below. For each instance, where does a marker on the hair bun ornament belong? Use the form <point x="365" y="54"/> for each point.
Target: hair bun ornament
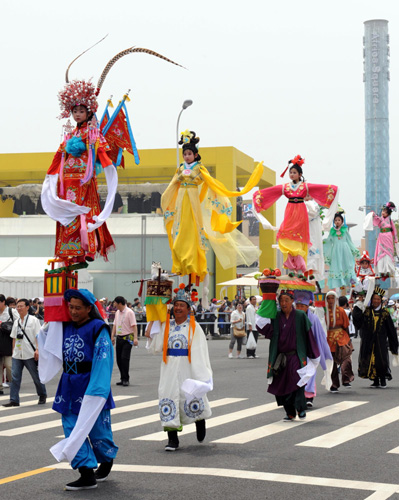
<point x="391" y="206"/>
<point x="297" y="161"/>
<point x="188" y="137"/>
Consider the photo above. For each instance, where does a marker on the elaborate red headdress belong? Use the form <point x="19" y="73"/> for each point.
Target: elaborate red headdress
<point x="297" y="161"/>
<point x="76" y="93"/>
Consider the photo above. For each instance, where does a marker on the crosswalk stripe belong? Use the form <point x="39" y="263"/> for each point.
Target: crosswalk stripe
<point x="115" y="427"/>
<point x="382" y="491"/>
<point x="124" y="409"/>
<point x="17" y="431"/>
<point x="50" y="411"/>
<point x="135" y="422"/>
<point x="22" y="395"/>
<point x="213" y="422"/>
<point x="276" y="427"/>
<point x="354" y="430"/>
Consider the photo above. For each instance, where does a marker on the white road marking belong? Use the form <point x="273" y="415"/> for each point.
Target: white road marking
<point x="50" y="411"/>
<point x="281" y="426"/>
<point x="355" y="430"/>
<point x="23" y="395"/>
<point x="17" y="431"/>
<point x="381" y="491"/>
<point x="215" y="421"/>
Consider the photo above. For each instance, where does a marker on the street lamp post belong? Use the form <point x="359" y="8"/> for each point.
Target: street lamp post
<point x="185" y="105"/>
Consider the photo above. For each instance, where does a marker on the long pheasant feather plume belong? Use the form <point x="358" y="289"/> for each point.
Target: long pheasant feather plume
<point x="84" y="52"/>
<point x="125" y="53"/>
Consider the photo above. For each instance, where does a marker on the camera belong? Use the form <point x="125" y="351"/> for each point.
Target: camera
<point x="20" y="336"/>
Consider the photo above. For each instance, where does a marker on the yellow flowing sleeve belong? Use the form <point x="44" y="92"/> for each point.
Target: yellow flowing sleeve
<point x="220" y="188"/>
<point x="168" y="205"/>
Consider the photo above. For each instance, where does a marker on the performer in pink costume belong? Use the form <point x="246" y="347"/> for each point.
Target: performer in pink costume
<point x="384" y="250"/>
<point x="293" y="235"/>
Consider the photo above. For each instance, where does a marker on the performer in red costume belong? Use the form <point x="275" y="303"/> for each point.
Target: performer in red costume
<point x="74" y="173"/>
<point x="293" y="235"/>
<point x="69" y="194"/>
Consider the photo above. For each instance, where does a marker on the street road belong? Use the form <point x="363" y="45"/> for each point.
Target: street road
<point x="347" y="448"/>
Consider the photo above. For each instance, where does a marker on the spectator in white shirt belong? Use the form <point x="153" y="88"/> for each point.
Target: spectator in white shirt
<point x="25" y="353"/>
<point x="7" y="315"/>
<point x="250" y="313"/>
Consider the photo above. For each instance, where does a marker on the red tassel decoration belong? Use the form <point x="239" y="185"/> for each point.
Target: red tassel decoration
<point x="282" y="175"/>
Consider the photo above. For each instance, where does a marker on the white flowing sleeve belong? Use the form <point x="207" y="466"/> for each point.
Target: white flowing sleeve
<point x="201" y="370"/>
<point x="195" y="388"/>
<point x="262" y="220"/>
<point x="62" y="211"/>
<point x="111" y="177"/>
<point x="155" y="342"/>
<point x="89" y="411"/>
<point x="49" y="340"/>
<point x="307" y="372"/>
<point x="329" y="217"/>
<point x="262" y="322"/>
<point x="368" y="222"/>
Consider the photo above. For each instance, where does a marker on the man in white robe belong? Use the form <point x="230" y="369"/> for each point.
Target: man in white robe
<point x="186" y="373"/>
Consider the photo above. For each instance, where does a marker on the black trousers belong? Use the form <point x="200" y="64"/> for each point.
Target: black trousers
<point x="123" y="351"/>
<point x="251" y="352"/>
<point x="293" y="402"/>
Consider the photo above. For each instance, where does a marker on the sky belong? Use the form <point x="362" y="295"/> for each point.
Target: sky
<point x="273" y="79"/>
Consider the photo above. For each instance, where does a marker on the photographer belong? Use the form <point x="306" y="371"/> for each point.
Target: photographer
<point x="25" y="353"/>
<point x="7" y="317"/>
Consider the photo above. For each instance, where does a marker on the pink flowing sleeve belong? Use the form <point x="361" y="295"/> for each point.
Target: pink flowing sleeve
<point x="395" y="234"/>
<point x="323" y="194"/>
<point x="267" y="197"/>
<point x="377" y="220"/>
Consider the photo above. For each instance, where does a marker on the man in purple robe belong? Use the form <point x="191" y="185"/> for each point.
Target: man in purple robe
<point x="293" y="353"/>
<point x="302" y="301"/>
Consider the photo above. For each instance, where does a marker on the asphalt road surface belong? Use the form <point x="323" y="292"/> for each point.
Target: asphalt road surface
<point x="347" y="448"/>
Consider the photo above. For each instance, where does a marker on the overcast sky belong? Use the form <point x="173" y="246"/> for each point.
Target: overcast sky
<point x="271" y="78"/>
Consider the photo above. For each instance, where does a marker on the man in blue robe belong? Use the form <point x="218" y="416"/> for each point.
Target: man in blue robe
<point x="84" y="396"/>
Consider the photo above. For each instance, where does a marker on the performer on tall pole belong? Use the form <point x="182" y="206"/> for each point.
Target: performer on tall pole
<point x="293" y="236"/>
<point x="197" y="211"/>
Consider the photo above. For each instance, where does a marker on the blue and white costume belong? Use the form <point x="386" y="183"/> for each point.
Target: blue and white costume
<point x="183" y="385"/>
<point x="87" y="364"/>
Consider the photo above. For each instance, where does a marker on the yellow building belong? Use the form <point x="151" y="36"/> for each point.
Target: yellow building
<point x="227" y="164"/>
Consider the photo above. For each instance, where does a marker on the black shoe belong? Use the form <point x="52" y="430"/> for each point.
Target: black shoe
<point x="11" y="403"/>
<point x="119" y="383"/>
<point x="309" y="402"/>
<point x="289" y="418"/>
<point x="1" y="393"/>
<point x="87" y="480"/>
<point x="347" y="385"/>
<point x="125" y="383"/>
<point x="201" y="430"/>
<point x="42" y="400"/>
<point x="383" y="383"/>
<point x="334" y="390"/>
<point x="375" y="384"/>
<point x="302" y="414"/>
<point x="173" y="442"/>
<point x="103" y="471"/>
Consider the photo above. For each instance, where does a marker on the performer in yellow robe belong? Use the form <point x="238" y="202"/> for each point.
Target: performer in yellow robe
<point x="197" y="210"/>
